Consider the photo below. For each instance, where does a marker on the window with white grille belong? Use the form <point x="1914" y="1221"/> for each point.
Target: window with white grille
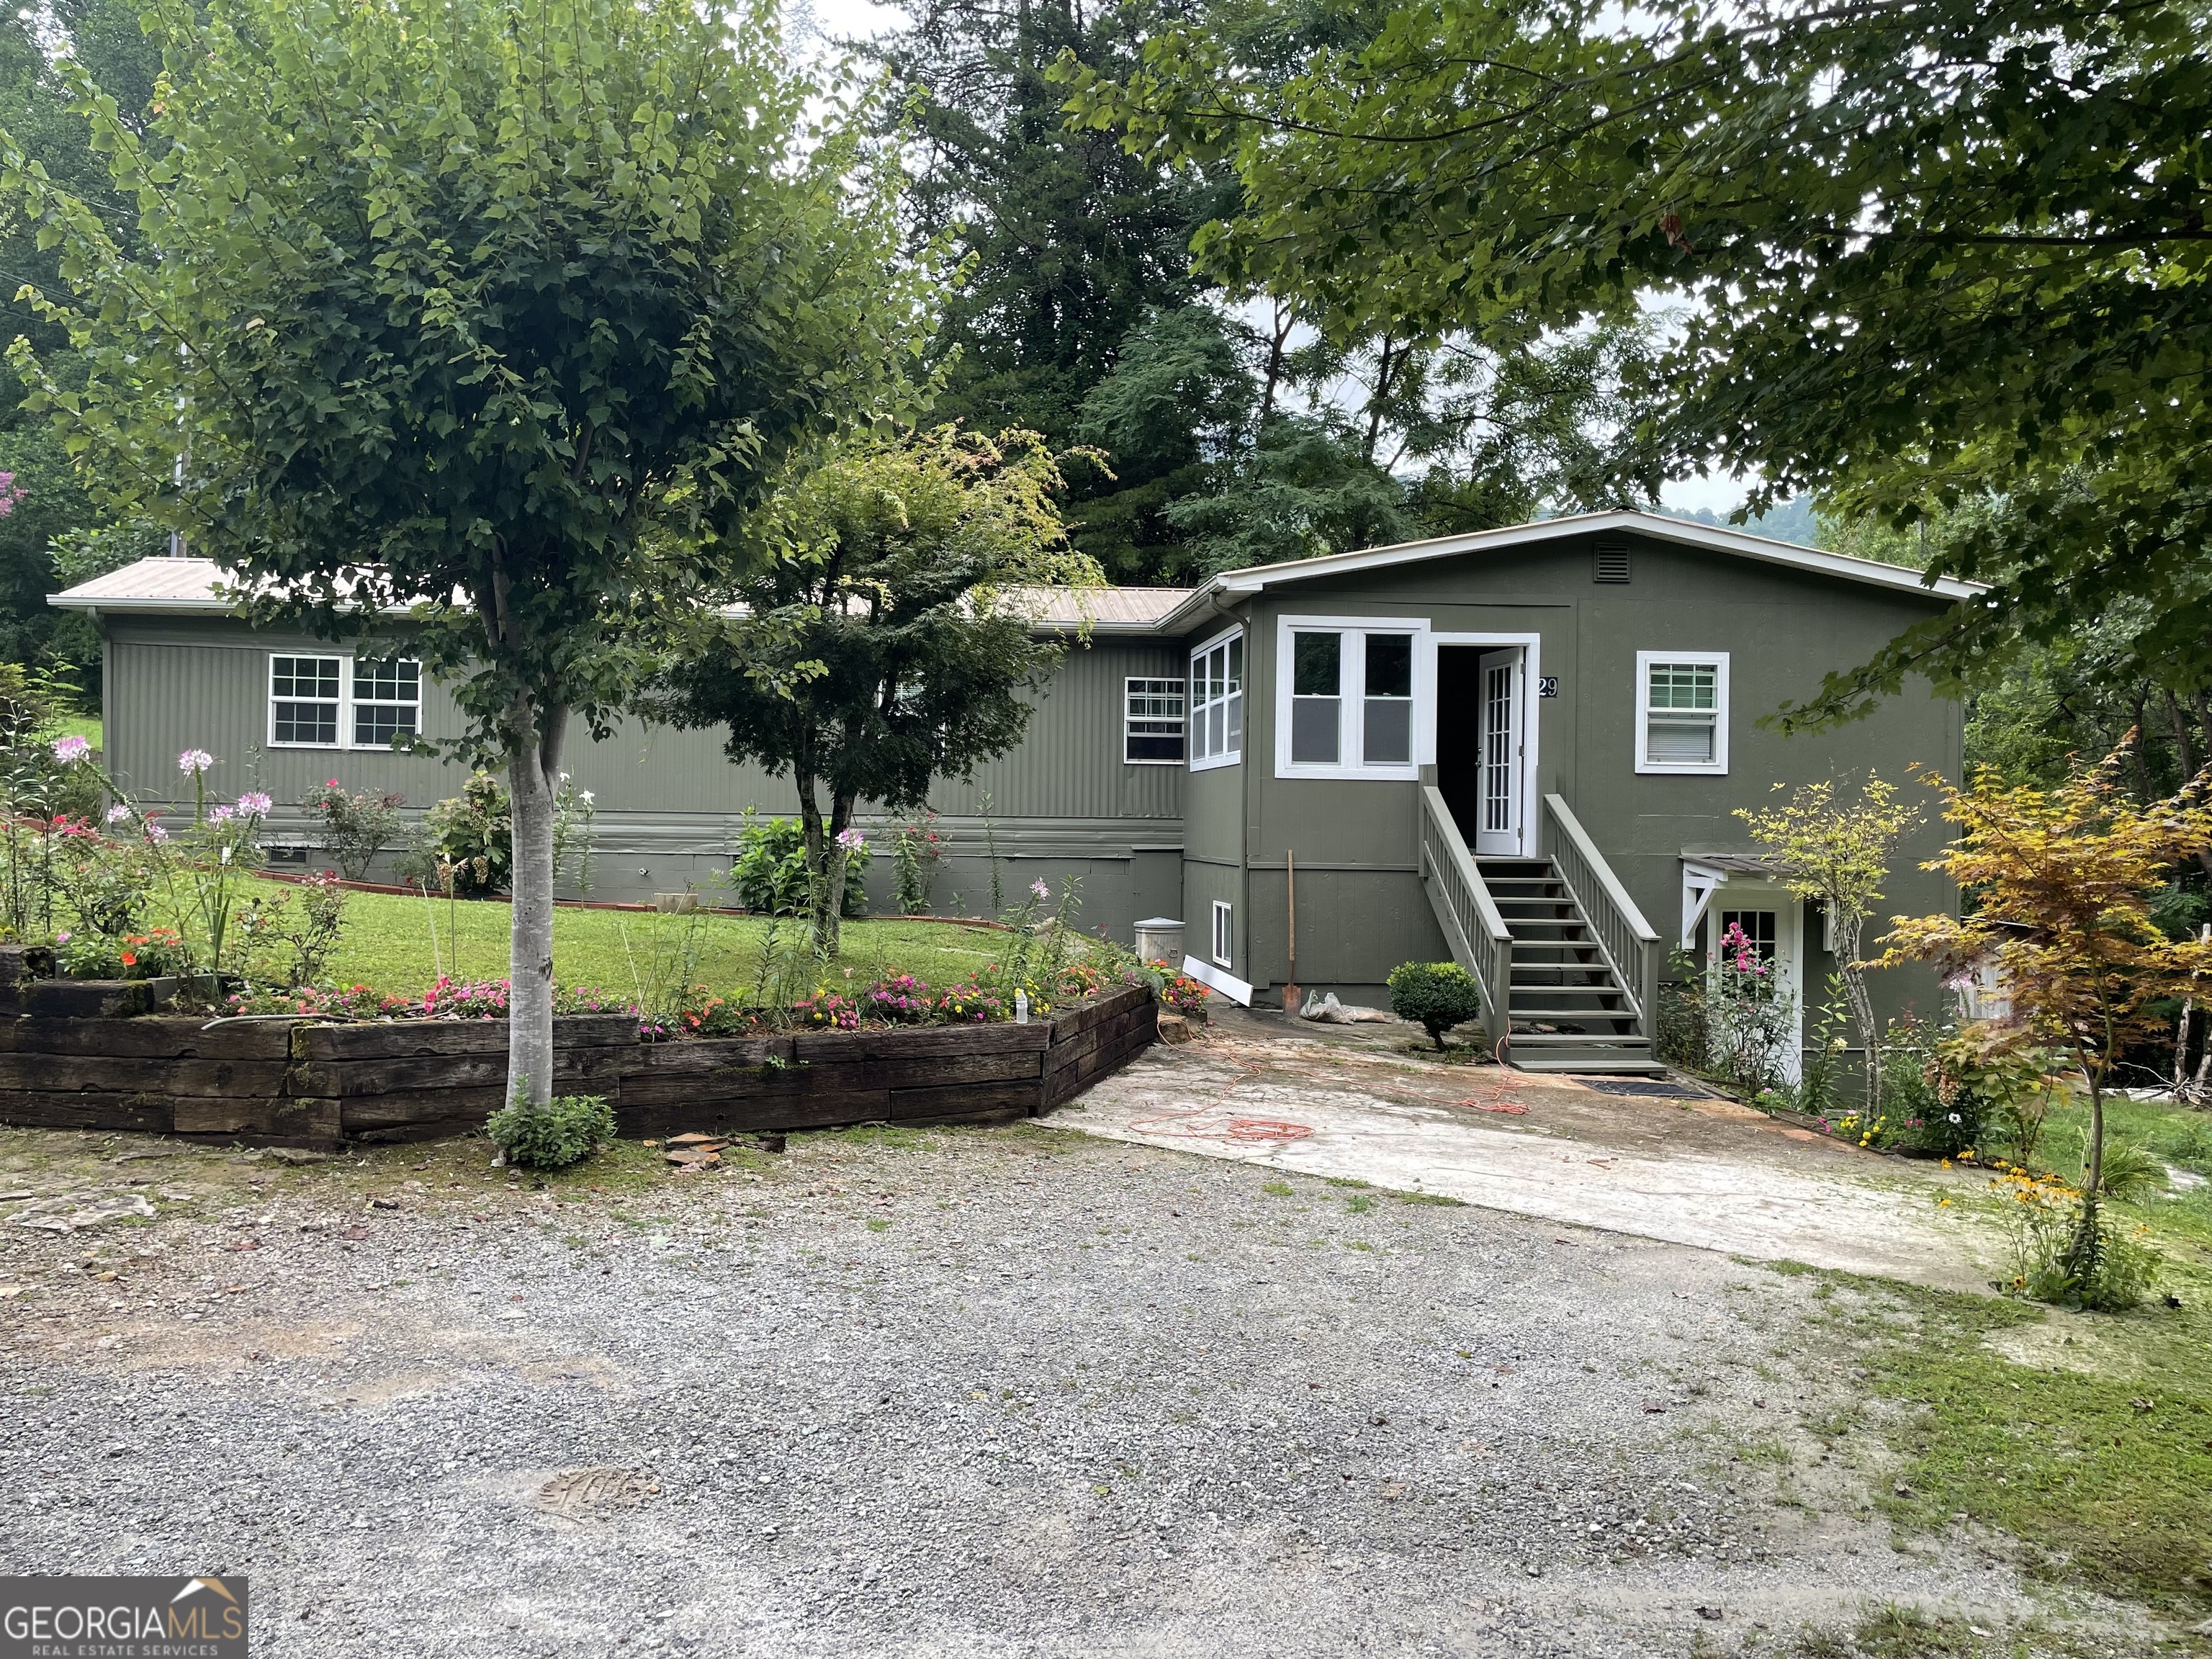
<point x="1151" y="722"/>
<point x="337" y="702"/>
<point x="1217" y="703"/>
<point x="1682" y="711"/>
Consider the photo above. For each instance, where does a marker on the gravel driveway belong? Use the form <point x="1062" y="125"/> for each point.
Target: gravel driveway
<point x="1001" y="1392"/>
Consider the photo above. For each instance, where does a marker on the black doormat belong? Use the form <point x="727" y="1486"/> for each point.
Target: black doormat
<point x="1639" y="1086"/>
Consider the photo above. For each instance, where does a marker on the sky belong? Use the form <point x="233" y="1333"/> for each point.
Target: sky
<point x="859" y="19"/>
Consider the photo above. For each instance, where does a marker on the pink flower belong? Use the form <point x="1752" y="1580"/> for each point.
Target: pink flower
<point x="194" y="760"/>
<point x="71" y="750"/>
<point x="156" y="833"/>
<point x="1039" y="888"/>
<point x="255" y="802"/>
<point x="852" y="840"/>
<point x="219" y="814"/>
<point x="118" y="813"/>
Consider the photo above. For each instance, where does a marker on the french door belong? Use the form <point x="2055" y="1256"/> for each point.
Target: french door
<point x="1503" y="696"/>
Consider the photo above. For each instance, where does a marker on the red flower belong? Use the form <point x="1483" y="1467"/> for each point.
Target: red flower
<point x="130" y="958"/>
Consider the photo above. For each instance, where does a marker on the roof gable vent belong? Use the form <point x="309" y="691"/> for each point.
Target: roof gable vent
<point x="1609" y="564"/>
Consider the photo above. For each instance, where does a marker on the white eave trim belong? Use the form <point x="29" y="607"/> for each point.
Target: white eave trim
<point x="1259" y="578"/>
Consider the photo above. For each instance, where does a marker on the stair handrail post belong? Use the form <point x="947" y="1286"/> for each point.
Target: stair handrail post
<point x="1630" y="942"/>
<point x="1472" y="925"/>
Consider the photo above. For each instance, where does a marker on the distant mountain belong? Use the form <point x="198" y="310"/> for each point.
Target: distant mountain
<point x="1792" y="521"/>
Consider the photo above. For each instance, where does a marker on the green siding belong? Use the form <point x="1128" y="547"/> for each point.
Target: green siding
<point x="1064" y="804"/>
<point x="1360" y="906"/>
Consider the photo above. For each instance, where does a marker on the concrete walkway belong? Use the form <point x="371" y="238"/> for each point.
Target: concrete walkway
<point x="1703" y="1172"/>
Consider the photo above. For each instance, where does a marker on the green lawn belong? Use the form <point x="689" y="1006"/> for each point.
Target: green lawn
<point x="387" y="944"/>
<point x="2085" y="1435"/>
<point x="86" y="726"/>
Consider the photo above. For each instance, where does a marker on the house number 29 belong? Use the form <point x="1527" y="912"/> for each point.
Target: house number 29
<point x="1547" y="685"/>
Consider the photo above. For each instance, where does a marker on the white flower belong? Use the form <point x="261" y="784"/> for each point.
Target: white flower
<point x="194" y="760"/>
<point x="219" y="814"/>
<point x="71" y="750"/>
<point x="118" y="813"/>
<point x="155" y="832"/>
<point x="257" y="803"/>
<point x="1039" y="888"/>
<point x="586" y="796"/>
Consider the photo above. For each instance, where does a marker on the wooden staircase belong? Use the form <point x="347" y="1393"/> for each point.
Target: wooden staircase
<point x="1568" y="966"/>
<point x="1568" y="1011"/>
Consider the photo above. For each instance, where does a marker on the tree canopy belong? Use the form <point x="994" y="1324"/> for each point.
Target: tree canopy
<point x="474" y="325"/>
<point x="1928" y="253"/>
<point x="884" y="640"/>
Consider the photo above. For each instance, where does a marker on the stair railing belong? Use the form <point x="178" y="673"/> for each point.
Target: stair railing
<point x="1630" y="944"/>
<point x="1479" y="939"/>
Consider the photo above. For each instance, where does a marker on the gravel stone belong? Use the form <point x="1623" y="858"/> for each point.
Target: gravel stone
<point x="989" y="1393"/>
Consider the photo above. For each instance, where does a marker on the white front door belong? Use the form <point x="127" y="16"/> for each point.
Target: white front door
<point x="1503" y="696"/>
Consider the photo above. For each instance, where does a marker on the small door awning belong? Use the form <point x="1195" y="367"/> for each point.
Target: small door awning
<point x="1704" y="871"/>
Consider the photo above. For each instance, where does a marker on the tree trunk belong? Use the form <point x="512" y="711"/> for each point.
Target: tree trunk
<point x="830" y="923"/>
<point x="1847" y="928"/>
<point x="821" y="917"/>
<point x="533" y="776"/>
<point x="2192" y="1052"/>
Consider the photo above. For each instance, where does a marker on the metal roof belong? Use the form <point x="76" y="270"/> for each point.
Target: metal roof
<point x="151" y="585"/>
<point x="197" y="585"/>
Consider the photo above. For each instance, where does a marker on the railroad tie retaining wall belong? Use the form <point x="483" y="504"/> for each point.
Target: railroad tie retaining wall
<point x="283" y="1083"/>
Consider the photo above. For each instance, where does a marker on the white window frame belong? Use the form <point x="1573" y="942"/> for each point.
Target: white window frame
<point x="1156" y="685"/>
<point x="1224" y="933"/>
<point x="345" y="662"/>
<point x="1195" y="708"/>
<point x="1352" y="669"/>
<point x="1716" y="767"/>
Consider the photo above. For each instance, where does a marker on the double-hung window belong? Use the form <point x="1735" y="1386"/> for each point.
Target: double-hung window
<point x="1217" y="702"/>
<point x="387" y="701"/>
<point x="1151" y="722"/>
<point x="304" y="696"/>
<point x="1682" y="711"/>
<point x="338" y="703"/>
<point x="1346" y="703"/>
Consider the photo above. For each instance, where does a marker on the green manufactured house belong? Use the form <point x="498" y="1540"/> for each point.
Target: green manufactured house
<point x="1521" y="748"/>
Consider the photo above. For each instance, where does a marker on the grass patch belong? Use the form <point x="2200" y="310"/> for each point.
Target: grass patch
<point x="2096" y="1454"/>
<point x="1276" y="1188"/>
<point x="387" y="944"/>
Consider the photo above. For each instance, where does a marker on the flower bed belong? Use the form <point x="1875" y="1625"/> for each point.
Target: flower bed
<point x="316" y="1083"/>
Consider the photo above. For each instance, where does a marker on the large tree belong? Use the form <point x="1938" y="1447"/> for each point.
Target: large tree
<point x="470" y="320"/>
<point x="1931" y="253"/>
<point x="49" y="501"/>
<point x="1073" y="248"/>
<point x="884" y="640"/>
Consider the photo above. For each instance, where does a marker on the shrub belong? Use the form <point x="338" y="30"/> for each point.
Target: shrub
<point x="468" y="839"/>
<point x="1434" y="995"/>
<point x="565" y="1130"/>
<point x="769" y="871"/>
<point x="354" y="827"/>
<point x="916" y="849"/>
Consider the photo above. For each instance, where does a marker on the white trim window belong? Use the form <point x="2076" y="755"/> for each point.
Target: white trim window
<point x="1224" y="933"/>
<point x="1151" y="722"/>
<point x="1348" y="695"/>
<point x="1217" y="702"/>
<point x="319" y="701"/>
<point x="304" y="696"/>
<point x="387" y="701"/>
<point x="1682" y="712"/>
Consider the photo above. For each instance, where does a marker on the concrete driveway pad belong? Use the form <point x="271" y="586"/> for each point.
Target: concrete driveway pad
<point x="1357" y="1105"/>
